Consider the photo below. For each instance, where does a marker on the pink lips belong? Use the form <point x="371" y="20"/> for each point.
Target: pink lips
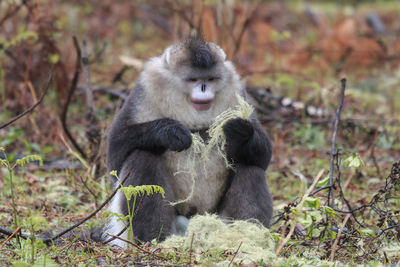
<point x="201" y="104"/>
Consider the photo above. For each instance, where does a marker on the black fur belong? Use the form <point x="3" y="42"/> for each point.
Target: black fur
<point x="137" y="149"/>
<point x="155" y="136"/>
<point x="155" y="216"/>
<point x="201" y="56"/>
<point x="247" y="144"/>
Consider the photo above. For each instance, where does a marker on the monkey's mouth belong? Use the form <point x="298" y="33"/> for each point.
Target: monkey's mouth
<point x="201" y="104"/>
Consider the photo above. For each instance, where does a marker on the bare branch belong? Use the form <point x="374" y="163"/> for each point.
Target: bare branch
<point x="32" y="107"/>
<point x="333" y="142"/>
<point x="70" y="94"/>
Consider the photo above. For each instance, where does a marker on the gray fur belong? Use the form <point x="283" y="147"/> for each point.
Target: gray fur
<point x="150" y="135"/>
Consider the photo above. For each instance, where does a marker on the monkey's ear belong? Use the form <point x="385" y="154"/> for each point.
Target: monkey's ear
<point x="218" y="50"/>
<point x="167" y="55"/>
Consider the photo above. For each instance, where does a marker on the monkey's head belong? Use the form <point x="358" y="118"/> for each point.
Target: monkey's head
<point x="193" y="81"/>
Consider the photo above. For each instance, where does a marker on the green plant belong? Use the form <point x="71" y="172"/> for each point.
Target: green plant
<point x="10" y="169"/>
<point x="134" y="191"/>
<point x="313" y="137"/>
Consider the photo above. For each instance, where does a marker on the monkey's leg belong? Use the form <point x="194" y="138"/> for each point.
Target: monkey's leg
<point x="248" y="196"/>
<point x="155" y="217"/>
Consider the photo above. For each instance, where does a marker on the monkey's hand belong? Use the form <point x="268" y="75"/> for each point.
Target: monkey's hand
<point x="238" y="133"/>
<point x="245" y="144"/>
<point x="172" y="135"/>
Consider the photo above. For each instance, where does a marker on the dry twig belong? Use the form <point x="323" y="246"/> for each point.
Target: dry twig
<point x="32" y="107"/>
<point x="137" y="246"/>
<point x="234" y="255"/>
<point x="331" y="200"/>
<point x="48" y="241"/>
<point x="71" y="91"/>
<point x="338" y="237"/>
<point x="16" y="231"/>
<point x="293" y="220"/>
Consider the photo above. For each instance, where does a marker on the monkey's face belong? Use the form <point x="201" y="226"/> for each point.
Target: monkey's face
<point x="191" y="82"/>
<point x="202" y="92"/>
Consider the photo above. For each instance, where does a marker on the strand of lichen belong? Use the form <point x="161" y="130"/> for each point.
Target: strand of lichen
<point x="196" y="149"/>
<point x="199" y="151"/>
<point x="217" y="136"/>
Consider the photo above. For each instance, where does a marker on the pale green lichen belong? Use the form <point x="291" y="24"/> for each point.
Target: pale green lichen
<point x="248" y="242"/>
<point x="210" y="233"/>
<point x="199" y="151"/>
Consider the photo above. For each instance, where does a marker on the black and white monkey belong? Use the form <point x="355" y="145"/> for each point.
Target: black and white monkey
<point x="179" y="93"/>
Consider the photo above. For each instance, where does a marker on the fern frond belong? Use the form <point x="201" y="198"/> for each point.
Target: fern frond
<point x="148" y="190"/>
<point x="25" y="160"/>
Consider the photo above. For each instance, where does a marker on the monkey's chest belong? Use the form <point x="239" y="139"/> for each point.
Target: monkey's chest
<point x="200" y="183"/>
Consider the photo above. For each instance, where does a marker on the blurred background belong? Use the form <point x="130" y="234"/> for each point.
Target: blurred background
<point x="290" y="54"/>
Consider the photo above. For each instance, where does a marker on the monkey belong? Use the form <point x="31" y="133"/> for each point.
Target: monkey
<point x="179" y="93"/>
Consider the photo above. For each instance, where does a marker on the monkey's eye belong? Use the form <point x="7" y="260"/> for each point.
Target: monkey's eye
<point x="212" y="79"/>
<point x="193" y="80"/>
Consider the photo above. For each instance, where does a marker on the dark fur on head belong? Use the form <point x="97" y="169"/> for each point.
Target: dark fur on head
<point x="200" y="52"/>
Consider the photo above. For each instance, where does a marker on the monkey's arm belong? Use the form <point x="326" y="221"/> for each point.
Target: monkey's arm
<point x="154" y="136"/>
<point x="247" y="143"/>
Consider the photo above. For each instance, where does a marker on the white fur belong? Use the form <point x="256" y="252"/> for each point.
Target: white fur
<point x="114" y="226"/>
<point x="168" y="96"/>
<point x="219" y="49"/>
<point x="167" y="55"/>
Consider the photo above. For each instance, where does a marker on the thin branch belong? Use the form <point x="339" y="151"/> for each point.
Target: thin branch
<point x="8" y="232"/>
<point x="13" y="12"/>
<point x="236" y="252"/>
<point x="245" y="26"/>
<point x="16" y="231"/>
<point x="69" y="97"/>
<point x="48" y="240"/>
<point x="318" y="190"/>
<point x="338" y="237"/>
<point x="388" y="228"/>
<point x="32" y="107"/>
<point x="292" y="221"/>
<point x="138" y="247"/>
<point x="333" y="142"/>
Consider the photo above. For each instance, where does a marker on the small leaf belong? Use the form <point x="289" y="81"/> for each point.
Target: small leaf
<point x="323" y="182"/>
<point x="312" y="202"/>
<point x="54" y="58"/>
<point x="353" y="160"/>
<point x="367" y="232"/>
<point x="329" y="211"/>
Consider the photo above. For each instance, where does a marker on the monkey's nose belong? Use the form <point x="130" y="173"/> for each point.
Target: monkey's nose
<point x="203" y="87"/>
